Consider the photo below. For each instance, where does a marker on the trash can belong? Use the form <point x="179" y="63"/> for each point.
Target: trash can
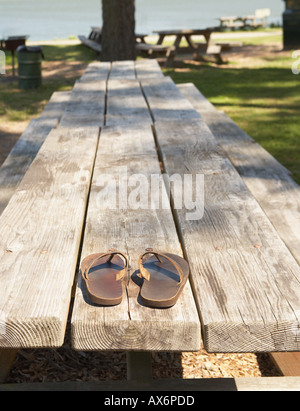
<point x="291" y="29"/>
<point x="30" y="66"/>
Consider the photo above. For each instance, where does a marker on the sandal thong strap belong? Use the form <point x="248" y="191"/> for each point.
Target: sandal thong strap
<point x="111" y="254"/>
<point x="145" y="273"/>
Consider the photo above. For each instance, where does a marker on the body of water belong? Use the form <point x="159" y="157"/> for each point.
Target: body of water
<point x="47" y="20"/>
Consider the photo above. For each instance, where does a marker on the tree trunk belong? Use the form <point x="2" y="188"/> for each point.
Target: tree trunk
<point x="118" y="30"/>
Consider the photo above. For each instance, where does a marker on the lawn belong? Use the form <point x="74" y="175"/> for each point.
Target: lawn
<point x="263" y="100"/>
<point x="22" y="105"/>
<point x="258" y="91"/>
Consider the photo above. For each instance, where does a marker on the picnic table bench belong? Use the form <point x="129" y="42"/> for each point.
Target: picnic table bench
<point x="121" y="119"/>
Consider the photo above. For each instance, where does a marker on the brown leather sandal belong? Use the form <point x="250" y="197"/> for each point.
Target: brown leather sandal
<point x="104" y="279"/>
<point x="164" y="276"/>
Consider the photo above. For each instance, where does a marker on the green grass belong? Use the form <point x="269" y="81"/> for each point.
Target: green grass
<point x="68" y="53"/>
<point x="22" y="105"/>
<point x="264" y="101"/>
<point x="241" y="36"/>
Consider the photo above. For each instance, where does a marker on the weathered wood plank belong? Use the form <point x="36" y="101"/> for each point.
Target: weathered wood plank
<point x="246" y="282"/>
<point x="268" y="384"/>
<point x="28" y="145"/>
<point x="40" y="237"/>
<point x="166" y="102"/>
<point x="189" y="385"/>
<point x="91" y="44"/>
<point x="196" y="98"/>
<point x="147" y="68"/>
<point x="55" y="107"/>
<point x="151" y="49"/>
<point x="96" y="71"/>
<point x="86" y="106"/>
<point x="288" y="363"/>
<point x="126" y="103"/>
<point x="124" y="152"/>
<point x="122" y="70"/>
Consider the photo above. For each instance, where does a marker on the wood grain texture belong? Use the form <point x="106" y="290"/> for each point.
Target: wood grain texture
<point x="124" y="151"/>
<point x="96" y="71"/>
<point x="268" y="384"/>
<point x="166" y="102"/>
<point x="28" y="145"/>
<point x="126" y="103"/>
<point x="122" y="70"/>
<point x="40" y="236"/>
<point x="147" y="68"/>
<point x="246" y="282"/>
<point x="288" y="363"/>
<point x="86" y="106"/>
<point x="196" y="98"/>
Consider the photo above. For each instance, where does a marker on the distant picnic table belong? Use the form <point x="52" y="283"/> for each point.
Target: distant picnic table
<point x="244" y="293"/>
<point x="242" y="22"/>
<point x="205" y="48"/>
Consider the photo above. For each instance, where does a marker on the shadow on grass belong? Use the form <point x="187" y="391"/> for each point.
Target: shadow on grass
<point x="74" y="52"/>
<point x="77" y="52"/>
<point x="265" y="102"/>
<point x="19" y="105"/>
<point x="239" y="83"/>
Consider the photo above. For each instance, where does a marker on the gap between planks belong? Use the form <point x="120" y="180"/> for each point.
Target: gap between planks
<point x="283" y="214"/>
<point x="131" y="325"/>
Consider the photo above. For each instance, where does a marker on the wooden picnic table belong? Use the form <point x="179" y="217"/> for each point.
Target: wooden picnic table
<point x="243" y="22"/>
<point x="244" y="290"/>
<point x="198" y="48"/>
<point x="185" y="33"/>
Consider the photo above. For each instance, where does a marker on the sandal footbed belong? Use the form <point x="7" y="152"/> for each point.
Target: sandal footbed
<point x="163" y="288"/>
<point x="101" y="284"/>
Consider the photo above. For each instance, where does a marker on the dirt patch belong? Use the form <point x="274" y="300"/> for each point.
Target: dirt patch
<point x="10" y="131"/>
<point x="238" y="57"/>
<point x="65" y="364"/>
<point x="68" y="69"/>
<point x="254" y="56"/>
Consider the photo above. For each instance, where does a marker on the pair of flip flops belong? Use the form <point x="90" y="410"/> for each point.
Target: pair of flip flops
<point x="164" y="277"/>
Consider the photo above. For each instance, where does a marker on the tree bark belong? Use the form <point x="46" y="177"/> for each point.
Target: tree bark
<point x="118" y="30"/>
